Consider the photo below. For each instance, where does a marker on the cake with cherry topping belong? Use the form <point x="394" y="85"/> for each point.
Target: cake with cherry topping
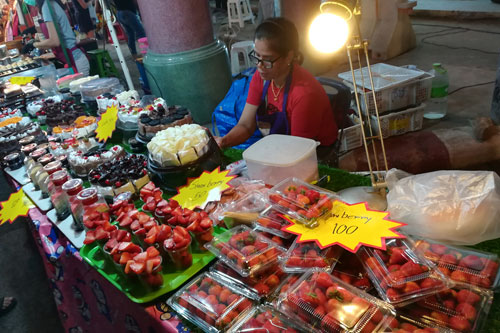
<point x="81" y="163"/>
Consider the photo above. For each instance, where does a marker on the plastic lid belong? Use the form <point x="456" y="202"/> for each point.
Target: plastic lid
<point x="280" y="150"/>
<point x="436" y="64"/>
<point x="53" y="167"/>
<point x="59" y="177"/>
<point x="26" y="140"/>
<point x="47" y="158"/>
<point x="73" y="186"/>
<point x="29" y="148"/>
<point x="44" y="145"/>
<point x="11" y="157"/>
<point x="38" y="153"/>
<point x="88" y="196"/>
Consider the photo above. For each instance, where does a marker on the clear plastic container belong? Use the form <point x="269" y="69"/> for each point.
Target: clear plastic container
<point x="462" y="264"/>
<point x="324" y="303"/>
<point x="178" y="248"/>
<point x="264" y="319"/>
<point x="257" y="287"/>
<point x="245" y="210"/>
<point x="401" y="324"/>
<point x="437" y="106"/>
<point x="464" y="308"/>
<point x="285" y="243"/>
<point x="276" y="157"/>
<point x="283" y="288"/>
<point x="58" y="197"/>
<point x="72" y="187"/>
<point x="94" y="210"/>
<point x="209" y="304"/>
<point x="350" y="270"/>
<point x="300" y="200"/>
<point x="401" y="275"/>
<point x="91" y="89"/>
<point x="245" y="251"/>
<point x="301" y="257"/>
<point x="44" y="182"/>
<point x="271" y="221"/>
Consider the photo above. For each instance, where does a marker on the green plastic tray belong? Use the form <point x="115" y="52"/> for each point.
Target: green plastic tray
<point x="133" y="288"/>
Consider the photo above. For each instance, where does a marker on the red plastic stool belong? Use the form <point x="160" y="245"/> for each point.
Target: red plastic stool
<point x="119" y="33"/>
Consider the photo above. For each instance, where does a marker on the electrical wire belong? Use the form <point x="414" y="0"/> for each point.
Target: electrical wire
<point x="456" y="27"/>
<point x="471" y="86"/>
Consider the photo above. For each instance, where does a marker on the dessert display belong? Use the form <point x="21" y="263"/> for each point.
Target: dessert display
<point x="125" y="174"/>
<point x="245" y="251"/>
<point x="146" y="265"/>
<point x="178" y="145"/>
<point x="324" y="303"/>
<point x="128" y="115"/>
<point x="82" y="163"/>
<point x="160" y="117"/>
<point x="90" y="90"/>
<point x="21" y="65"/>
<point x="129" y="97"/>
<point x="60" y="113"/>
<point x="13" y="161"/>
<point x="209" y="304"/>
<point x="7" y="113"/>
<point x="105" y="101"/>
<point x="82" y="126"/>
<point x="13" y="130"/>
<point x="75" y="85"/>
<point x="64" y="82"/>
<point x="400" y="274"/>
<point x="36" y="106"/>
<point x="72" y="145"/>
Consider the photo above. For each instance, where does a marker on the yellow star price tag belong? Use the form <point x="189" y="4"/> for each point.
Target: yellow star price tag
<point x="21" y="80"/>
<point x="349" y="226"/>
<point x="17" y="205"/>
<point x="107" y="124"/>
<point x="200" y="191"/>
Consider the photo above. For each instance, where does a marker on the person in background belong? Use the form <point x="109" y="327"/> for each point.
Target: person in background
<point x="78" y="59"/>
<point x="127" y="14"/>
<point x="85" y="23"/>
<point x="283" y="97"/>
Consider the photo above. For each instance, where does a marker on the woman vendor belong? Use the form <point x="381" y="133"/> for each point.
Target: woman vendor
<point x="78" y="59"/>
<point x="283" y="97"/>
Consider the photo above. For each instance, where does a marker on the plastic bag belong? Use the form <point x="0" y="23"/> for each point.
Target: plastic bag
<point x="459" y="207"/>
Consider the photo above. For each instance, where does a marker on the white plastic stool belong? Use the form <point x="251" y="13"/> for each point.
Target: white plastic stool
<point x="239" y="11"/>
<point x="239" y="56"/>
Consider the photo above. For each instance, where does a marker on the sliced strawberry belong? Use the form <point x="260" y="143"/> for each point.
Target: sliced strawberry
<point x="150" y="239"/>
<point x="140" y="232"/>
<point x="121" y="216"/>
<point x="100" y="233"/>
<point x="120" y="234"/>
<point x="183" y="232"/>
<point x="135" y="225"/>
<point x="125" y="246"/>
<point x="167" y="210"/>
<point x="149" y="266"/>
<point x="141" y="257"/>
<point x="143" y="217"/>
<point x="172" y="220"/>
<point x="89" y="237"/>
<point x="108" y="226"/>
<point x="177" y="211"/>
<point x="206" y="223"/>
<point x="174" y="204"/>
<point x="162" y="204"/>
<point x="128" y="265"/>
<point x="152" y="252"/>
<point x="116" y="257"/>
<point x="154" y="280"/>
<point x="125" y="257"/>
<point x="111" y="243"/>
<point x="164" y="233"/>
<point x="150" y="224"/>
<point x="133" y="213"/>
<point x="126" y="221"/>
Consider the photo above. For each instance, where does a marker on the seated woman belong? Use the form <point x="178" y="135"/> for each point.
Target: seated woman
<point x="283" y="97"/>
<point x="78" y="59"/>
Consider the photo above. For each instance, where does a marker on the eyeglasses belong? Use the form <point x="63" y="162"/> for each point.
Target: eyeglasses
<point x="266" y="63"/>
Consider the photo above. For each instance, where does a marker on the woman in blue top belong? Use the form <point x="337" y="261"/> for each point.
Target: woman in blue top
<point x="78" y="59"/>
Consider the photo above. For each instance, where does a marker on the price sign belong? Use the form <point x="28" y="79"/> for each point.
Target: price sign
<point x="200" y="191"/>
<point x="17" y="205"/>
<point x="21" y="80"/>
<point x="107" y="124"/>
<point x="349" y="226"/>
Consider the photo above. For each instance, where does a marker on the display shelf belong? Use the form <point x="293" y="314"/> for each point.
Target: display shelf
<point x="76" y="237"/>
<point x="19" y="175"/>
<point x="43" y="204"/>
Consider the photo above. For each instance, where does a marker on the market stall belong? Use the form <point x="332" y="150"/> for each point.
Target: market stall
<point x="143" y="223"/>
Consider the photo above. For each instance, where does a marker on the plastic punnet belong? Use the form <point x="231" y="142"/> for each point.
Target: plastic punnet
<point x="326" y="304"/>
<point x="264" y="319"/>
<point x="257" y="287"/>
<point x="209" y="304"/>
<point x="463" y="308"/>
<point x="300" y="200"/>
<point x="350" y="270"/>
<point x="399" y="274"/>
<point x="301" y="257"/>
<point x="245" y="251"/>
<point x="462" y="264"/>
<point x="272" y="221"/>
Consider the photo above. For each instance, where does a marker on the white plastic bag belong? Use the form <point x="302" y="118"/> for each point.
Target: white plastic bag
<point x="459" y="207"/>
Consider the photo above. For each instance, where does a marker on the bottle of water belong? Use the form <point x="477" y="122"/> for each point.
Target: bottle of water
<point x="438" y="104"/>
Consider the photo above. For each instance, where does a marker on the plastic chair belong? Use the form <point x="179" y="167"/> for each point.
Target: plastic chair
<point x="239" y="56"/>
<point x="239" y="11"/>
<point x="101" y="64"/>
<point x="340" y="101"/>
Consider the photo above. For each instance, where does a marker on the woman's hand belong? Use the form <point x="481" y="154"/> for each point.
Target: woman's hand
<point x="219" y="141"/>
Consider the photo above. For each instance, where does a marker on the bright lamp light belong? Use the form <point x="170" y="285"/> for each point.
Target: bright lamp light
<point x="328" y="33"/>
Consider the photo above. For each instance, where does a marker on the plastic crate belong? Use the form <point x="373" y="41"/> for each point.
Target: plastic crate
<point x="398" y="123"/>
<point x="397" y="97"/>
<point x="351" y="138"/>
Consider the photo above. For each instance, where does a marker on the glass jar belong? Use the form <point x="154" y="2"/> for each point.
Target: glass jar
<point x="44" y="179"/>
<point x="32" y="164"/>
<point x="92" y="207"/>
<point x="41" y="174"/>
<point x="72" y="187"/>
<point x="58" y="196"/>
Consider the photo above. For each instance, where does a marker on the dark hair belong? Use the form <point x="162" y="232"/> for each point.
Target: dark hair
<point x="281" y="34"/>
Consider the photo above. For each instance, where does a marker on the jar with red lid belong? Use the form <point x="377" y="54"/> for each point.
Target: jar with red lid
<point x="94" y="210"/>
<point x="44" y="179"/>
<point x="58" y="196"/>
<point x="28" y="149"/>
<point x="72" y="187"/>
<point x="32" y="165"/>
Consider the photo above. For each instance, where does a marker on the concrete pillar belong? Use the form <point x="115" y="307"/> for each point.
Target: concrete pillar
<point x="185" y="64"/>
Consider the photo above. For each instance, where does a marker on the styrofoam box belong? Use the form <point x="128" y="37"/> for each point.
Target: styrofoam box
<point x="351" y="138"/>
<point x="397" y="123"/>
<point x="276" y="157"/>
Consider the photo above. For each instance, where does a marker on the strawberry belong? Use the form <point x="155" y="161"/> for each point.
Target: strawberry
<point x="467" y="310"/>
<point x="397" y="256"/>
<point x="324" y="280"/>
<point x="137" y="267"/>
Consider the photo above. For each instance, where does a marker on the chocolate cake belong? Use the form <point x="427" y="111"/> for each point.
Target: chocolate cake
<point x="159" y="118"/>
